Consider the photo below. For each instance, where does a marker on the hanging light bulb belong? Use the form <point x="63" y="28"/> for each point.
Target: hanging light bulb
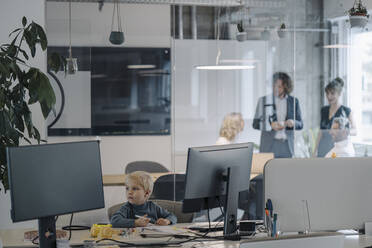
<point x="71" y="62"/>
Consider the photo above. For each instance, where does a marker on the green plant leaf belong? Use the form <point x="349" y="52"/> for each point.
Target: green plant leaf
<point x="18" y="122"/>
<point x="14" y="31"/>
<point x="2" y="123"/>
<point x="28" y="120"/>
<point x="47" y="96"/>
<point x="30" y="42"/>
<point x="34" y="84"/>
<point x="43" y="39"/>
<point x="24" y="53"/>
<point x="4" y="69"/>
<point x="55" y="62"/>
<point x="24" y="21"/>
<point x="37" y="135"/>
<point x="2" y="98"/>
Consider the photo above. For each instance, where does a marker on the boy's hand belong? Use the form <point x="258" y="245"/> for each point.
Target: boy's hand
<point x="162" y="222"/>
<point x="141" y="222"/>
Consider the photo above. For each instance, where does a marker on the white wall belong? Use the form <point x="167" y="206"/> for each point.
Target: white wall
<point x="11" y="13"/>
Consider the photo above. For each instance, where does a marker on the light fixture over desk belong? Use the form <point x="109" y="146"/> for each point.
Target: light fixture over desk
<point x="225" y="67"/>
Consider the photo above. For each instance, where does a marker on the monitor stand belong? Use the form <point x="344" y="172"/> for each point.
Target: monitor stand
<point x="230" y="230"/>
<point x="47" y="232"/>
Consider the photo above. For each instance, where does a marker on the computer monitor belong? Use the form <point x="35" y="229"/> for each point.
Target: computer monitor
<point x="54" y="179"/>
<point x="215" y="175"/>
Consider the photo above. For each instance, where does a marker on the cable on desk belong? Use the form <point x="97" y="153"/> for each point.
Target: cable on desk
<point x="33" y="241"/>
<point x="71" y="227"/>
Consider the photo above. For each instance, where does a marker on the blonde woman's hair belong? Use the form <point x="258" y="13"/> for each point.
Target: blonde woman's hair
<point x="142" y="178"/>
<point x="231" y="126"/>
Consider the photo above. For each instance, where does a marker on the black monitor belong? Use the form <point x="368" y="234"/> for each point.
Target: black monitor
<point x="215" y="176"/>
<point x="54" y="179"/>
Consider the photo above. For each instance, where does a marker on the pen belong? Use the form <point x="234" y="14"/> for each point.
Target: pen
<point x="152" y="221"/>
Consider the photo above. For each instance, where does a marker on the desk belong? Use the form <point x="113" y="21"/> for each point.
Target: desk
<point x="14" y="238"/>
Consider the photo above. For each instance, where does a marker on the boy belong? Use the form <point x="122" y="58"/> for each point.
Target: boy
<point x="138" y="211"/>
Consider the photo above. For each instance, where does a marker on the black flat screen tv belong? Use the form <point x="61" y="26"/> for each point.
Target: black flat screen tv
<point x="130" y="91"/>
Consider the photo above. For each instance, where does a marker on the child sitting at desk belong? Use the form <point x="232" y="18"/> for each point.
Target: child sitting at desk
<point x="138" y="211"/>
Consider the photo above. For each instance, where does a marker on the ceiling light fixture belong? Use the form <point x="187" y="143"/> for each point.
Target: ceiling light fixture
<point x="218" y="65"/>
<point x="141" y="66"/>
<point x="337" y="46"/>
<point x="71" y="62"/>
<point x="224" y="67"/>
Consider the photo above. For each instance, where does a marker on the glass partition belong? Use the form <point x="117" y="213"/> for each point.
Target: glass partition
<point x="257" y="73"/>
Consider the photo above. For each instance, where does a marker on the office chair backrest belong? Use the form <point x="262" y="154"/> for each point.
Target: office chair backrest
<point x="113" y="209"/>
<point x="148" y="166"/>
<point x="164" y="187"/>
<point x="175" y="207"/>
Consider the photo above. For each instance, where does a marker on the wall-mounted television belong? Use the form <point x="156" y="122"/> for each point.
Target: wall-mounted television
<point x="116" y="91"/>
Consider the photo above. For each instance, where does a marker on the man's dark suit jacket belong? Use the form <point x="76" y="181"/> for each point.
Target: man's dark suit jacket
<point x="262" y="121"/>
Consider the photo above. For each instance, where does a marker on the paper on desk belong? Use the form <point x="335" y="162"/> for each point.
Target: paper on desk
<point x="166" y="229"/>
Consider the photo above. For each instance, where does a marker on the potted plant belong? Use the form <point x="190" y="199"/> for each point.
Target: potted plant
<point x="281" y="31"/>
<point x="358" y="15"/>
<point x="20" y="86"/>
<point x="241" y="35"/>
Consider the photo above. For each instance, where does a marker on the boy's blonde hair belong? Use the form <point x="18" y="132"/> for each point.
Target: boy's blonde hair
<point x="141" y="178"/>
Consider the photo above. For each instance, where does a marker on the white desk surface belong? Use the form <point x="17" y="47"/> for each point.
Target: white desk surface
<point x="12" y="238"/>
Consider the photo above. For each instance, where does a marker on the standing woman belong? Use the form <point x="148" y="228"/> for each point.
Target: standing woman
<point x="329" y="113"/>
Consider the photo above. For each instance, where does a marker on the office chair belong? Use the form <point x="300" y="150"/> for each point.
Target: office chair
<point x="164" y="187"/>
<point x="175" y="207"/>
<point x="113" y="209"/>
<point x="254" y="204"/>
<point x="148" y="166"/>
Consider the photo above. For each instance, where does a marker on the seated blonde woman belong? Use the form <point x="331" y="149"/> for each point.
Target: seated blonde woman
<point x="232" y="124"/>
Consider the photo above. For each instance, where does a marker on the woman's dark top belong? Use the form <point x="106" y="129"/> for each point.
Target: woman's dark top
<point x="326" y="142"/>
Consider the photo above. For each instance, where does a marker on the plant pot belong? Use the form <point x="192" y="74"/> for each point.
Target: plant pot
<point x="116" y="37"/>
<point x="282" y="33"/>
<point x="241" y="36"/>
<point x="358" y="21"/>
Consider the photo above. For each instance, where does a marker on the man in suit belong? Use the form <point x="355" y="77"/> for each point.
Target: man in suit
<point x="277" y="116"/>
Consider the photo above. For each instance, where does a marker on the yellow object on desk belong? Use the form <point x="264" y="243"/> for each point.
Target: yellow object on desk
<point x="103" y="231"/>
